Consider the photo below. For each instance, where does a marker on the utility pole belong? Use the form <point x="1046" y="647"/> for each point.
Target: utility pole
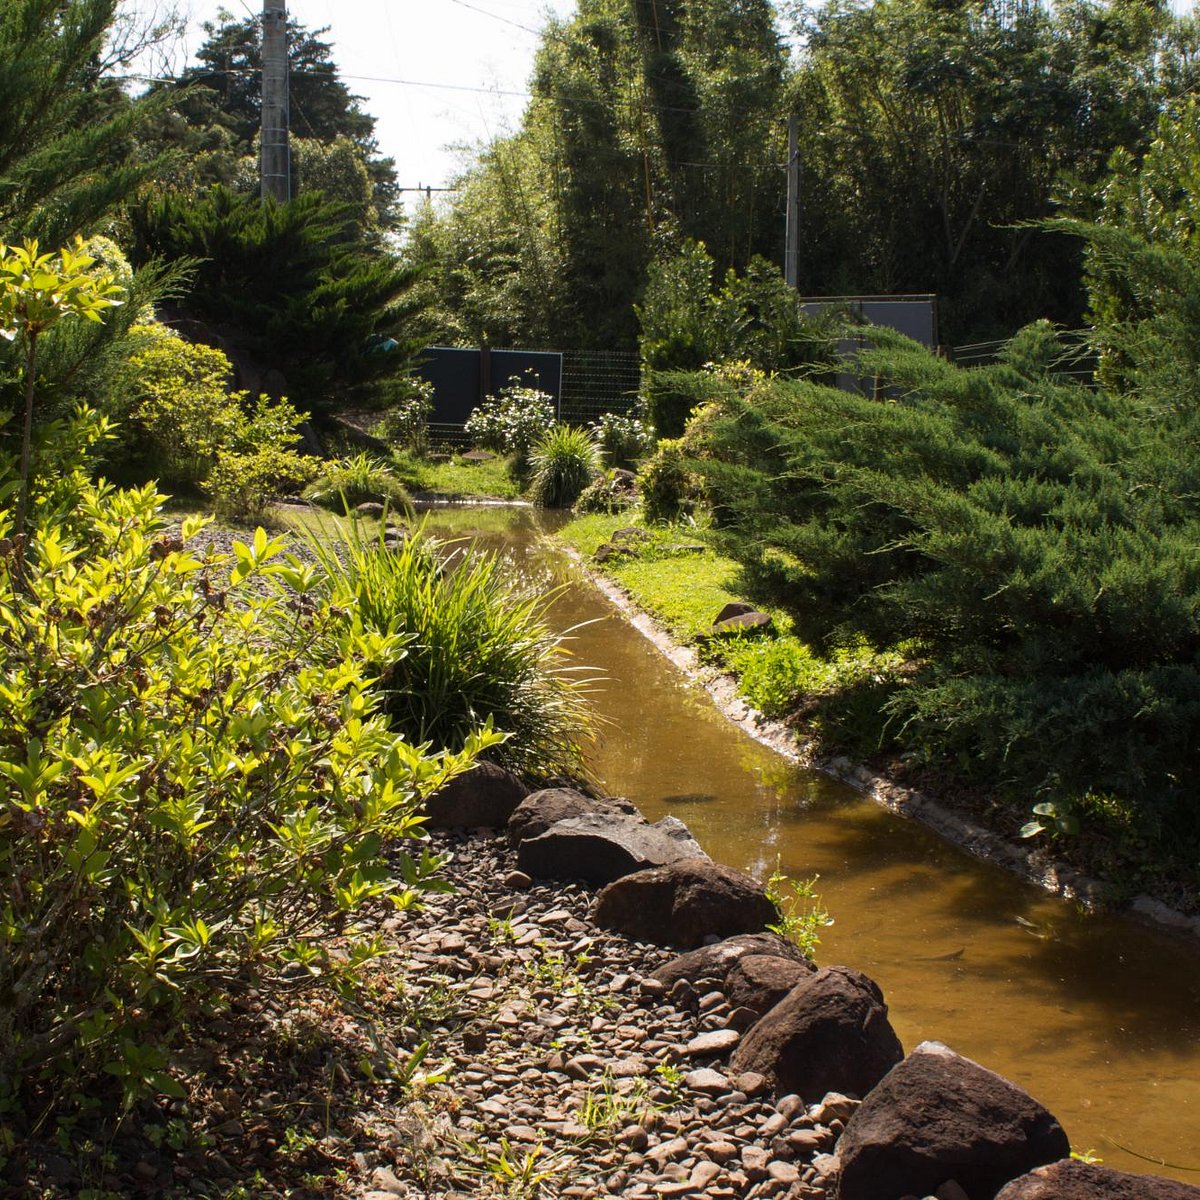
<point x="791" y="262"/>
<point x="276" y="167"/>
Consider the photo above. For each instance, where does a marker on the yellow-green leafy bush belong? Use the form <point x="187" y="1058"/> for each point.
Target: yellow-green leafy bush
<point x="197" y="788"/>
<point x="194" y="431"/>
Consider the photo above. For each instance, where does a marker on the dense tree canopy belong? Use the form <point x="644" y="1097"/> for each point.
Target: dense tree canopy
<point x="65" y="134"/>
<point x="934" y="134"/>
<point x="934" y="138"/>
<point x="649" y="123"/>
<point x="217" y="106"/>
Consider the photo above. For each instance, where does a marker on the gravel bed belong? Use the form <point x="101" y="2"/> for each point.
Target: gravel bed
<point x="570" y="1071"/>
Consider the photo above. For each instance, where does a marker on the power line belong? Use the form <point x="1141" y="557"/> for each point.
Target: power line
<point x="498" y="17"/>
<point x="421" y="83"/>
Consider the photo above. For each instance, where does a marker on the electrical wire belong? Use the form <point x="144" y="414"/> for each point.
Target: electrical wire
<point x="498" y="17"/>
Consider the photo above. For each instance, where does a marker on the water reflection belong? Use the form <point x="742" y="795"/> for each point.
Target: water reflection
<point x="1097" y="1017"/>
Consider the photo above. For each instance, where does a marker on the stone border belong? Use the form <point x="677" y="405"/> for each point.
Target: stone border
<point x="1033" y="866"/>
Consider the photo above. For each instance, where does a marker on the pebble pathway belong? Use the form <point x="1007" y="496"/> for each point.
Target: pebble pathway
<point x="573" y="1072"/>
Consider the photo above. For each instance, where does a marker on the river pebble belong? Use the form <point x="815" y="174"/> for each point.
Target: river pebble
<point x="566" y="1062"/>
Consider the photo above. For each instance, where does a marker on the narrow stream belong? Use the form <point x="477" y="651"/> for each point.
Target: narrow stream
<point x="1097" y="1017"/>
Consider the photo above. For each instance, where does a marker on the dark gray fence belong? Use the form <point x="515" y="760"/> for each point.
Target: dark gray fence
<point x="583" y="384"/>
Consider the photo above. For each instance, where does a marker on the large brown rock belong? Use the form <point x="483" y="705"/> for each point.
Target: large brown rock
<point x="539" y="810"/>
<point x="742" y="625"/>
<point x="486" y="795"/>
<point x="830" y="1033"/>
<point x="601" y="847"/>
<point x="939" y="1116"/>
<point x="1069" y="1179"/>
<point x="759" y="981"/>
<point x="684" y="904"/>
<point x="715" y="961"/>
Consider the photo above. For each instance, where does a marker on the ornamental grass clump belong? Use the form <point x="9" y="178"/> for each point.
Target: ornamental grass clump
<point x="478" y="650"/>
<point x="564" y="462"/>
<point x="349" y="482"/>
<point x="198" y="789"/>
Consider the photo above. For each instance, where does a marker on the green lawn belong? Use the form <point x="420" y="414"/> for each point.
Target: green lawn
<point x="456" y="478"/>
<point x="682" y="588"/>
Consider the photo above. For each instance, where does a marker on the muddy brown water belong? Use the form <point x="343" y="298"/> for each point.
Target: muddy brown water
<point x="1096" y="1016"/>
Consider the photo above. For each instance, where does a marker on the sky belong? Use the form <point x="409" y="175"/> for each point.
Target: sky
<point x="433" y="73"/>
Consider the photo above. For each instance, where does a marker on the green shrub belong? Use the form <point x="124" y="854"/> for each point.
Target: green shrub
<point x="609" y="492"/>
<point x="669" y="486"/>
<point x="477" y="650"/>
<point x="199" y="790"/>
<point x="241" y="486"/>
<point x="1031" y="539"/>
<point x="513" y="421"/>
<point x="298" y="286"/>
<point x="844" y="695"/>
<point x="184" y="412"/>
<point x="405" y="422"/>
<point x="624" y="439"/>
<point x="688" y="320"/>
<point x="191" y="430"/>
<point x="563" y="464"/>
<point x="774" y="674"/>
<point x="348" y="482"/>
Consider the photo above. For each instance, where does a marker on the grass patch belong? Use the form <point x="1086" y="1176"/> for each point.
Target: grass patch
<point x="682" y="588"/>
<point x="471" y="480"/>
<point x="840" y="691"/>
<point x="587" y="533"/>
<point x="685" y="593"/>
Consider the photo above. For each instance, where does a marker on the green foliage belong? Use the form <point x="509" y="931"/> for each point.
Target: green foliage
<point x="346" y="483"/>
<point x="774" y="674"/>
<point x="183" y="413"/>
<point x="199" y="789"/>
<point x="669" y="486"/>
<point x="404" y="423"/>
<point x="294" y="285"/>
<point x="37" y="291"/>
<point x="649" y="124"/>
<point x="608" y="492"/>
<point x="190" y="431"/>
<point x="842" y="693"/>
<point x="478" y="652"/>
<point x="801" y="914"/>
<point x="563" y="463"/>
<point x="493" y="262"/>
<point x="624" y="438"/>
<point x="1051" y="816"/>
<point x="930" y="133"/>
<point x="687" y="323"/>
<point x="1025" y="536"/>
<point x="65" y="139"/>
<point x="242" y="484"/>
<point x="1153" y="200"/>
<point x="215" y="120"/>
<point x="512" y="421"/>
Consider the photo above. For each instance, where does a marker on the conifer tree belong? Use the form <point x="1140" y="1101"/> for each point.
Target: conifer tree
<point x="65" y="137"/>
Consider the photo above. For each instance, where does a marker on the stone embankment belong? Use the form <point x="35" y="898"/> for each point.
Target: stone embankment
<point x="589" y="1057"/>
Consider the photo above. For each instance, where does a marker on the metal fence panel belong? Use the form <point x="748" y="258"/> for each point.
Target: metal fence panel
<point x="583" y="384"/>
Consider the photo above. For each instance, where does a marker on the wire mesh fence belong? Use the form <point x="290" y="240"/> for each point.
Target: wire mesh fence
<point x="598" y="381"/>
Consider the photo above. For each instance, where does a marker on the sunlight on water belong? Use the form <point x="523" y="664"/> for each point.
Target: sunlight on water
<point x="1097" y="1017"/>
